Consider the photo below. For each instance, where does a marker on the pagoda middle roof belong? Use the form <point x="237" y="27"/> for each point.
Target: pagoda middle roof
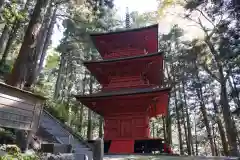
<point x="139" y="38"/>
<point x="123" y="92"/>
<point x="102" y="69"/>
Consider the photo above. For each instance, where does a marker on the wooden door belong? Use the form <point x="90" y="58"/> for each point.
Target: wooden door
<point x="126" y="128"/>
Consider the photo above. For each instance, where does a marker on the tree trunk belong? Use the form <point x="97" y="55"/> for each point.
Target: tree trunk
<point x="196" y="137"/>
<point x="81" y="108"/>
<point x="89" y="129"/>
<point x="178" y="124"/>
<point x="100" y="133"/>
<point x="189" y="128"/>
<point x="235" y="92"/>
<point x="41" y="40"/>
<point x="208" y="129"/>
<point x="164" y="128"/>
<point x="59" y="77"/>
<point x="207" y="125"/>
<point x="184" y="123"/>
<point x="47" y="41"/>
<point x="229" y="124"/>
<point x="221" y="129"/>
<point x="80" y="127"/>
<point x="169" y="127"/>
<point x="168" y="117"/>
<point x="4" y="39"/>
<point x="204" y="113"/>
<point x="10" y="41"/>
<point x="153" y="129"/>
<point x="17" y="77"/>
<point x="185" y="130"/>
<point x="13" y="35"/>
<point x="64" y="78"/>
<point x="214" y="140"/>
<point x="70" y="72"/>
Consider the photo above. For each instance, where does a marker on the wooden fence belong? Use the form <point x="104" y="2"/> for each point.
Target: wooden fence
<point x="19" y="109"/>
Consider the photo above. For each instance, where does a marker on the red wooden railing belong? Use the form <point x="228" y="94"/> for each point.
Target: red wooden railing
<point x="126" y="82"/>
<point x="125" y="53"/>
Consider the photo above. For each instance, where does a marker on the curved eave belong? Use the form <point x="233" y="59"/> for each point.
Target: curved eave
<point x="123" y="59"/>
<point x="123" y="93"/>
<point x="122" y="39"/>
<point x="118" y="102"/>
<point x="98" y="68"/>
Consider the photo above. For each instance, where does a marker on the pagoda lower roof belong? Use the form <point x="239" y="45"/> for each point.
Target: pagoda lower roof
<point x="126" y="100"/>
<point x="102" y="69"/>
<point x="138" y="38"/>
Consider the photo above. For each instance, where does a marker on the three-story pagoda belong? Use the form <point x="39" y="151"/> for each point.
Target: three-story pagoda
<point x="131" y="75"/>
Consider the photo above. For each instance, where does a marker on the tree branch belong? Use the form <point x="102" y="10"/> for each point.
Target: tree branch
<point x="209" y="20"/>
<point x="229" y="71"/>
<point x="209" y="72"/>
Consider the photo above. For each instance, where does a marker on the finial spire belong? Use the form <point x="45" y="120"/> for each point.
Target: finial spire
<point x="127" y="20"/>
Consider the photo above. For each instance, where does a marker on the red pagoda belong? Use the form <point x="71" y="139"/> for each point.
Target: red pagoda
<point x="131" y="75"/>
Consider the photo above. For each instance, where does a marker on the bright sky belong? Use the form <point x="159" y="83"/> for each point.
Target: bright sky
<point x="172" y="17"/>
<point x="136" y="5"/>
<point x="133" y="5"/>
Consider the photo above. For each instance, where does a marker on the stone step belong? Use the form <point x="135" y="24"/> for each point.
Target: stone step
<point x="82" y="149"/>
<point x="88" y="153"/>
<point x="79" y="145"/>
<point x="58" y="133"/>
<point x="80" y="157"/>
<point x="64" y="137"/>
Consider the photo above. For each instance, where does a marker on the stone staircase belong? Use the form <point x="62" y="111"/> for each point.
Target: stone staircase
<point x="65" y="135"/>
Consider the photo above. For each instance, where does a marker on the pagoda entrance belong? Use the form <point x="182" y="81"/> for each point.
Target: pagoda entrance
<point x="131" y="75"/>
<point x="125" y="128"/>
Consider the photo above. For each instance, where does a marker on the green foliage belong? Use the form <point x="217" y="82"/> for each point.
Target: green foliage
<point x="58" y="110"/>
<point x="6" y="133"/>
<point x="192" y="4"/>
<point x="13" y="152"/>
<point x="144" y="19"/>
<point x="12" y="13"/>
<point x="19" y="157"/>
<point x="164" y="5"/>
<point x="6" y="68"/>
<point x="53" y="59"/>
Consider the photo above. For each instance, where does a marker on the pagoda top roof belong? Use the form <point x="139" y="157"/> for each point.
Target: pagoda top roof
<point x="145" y="38"/>
<point x="123" y="58"/>
<point x="125" y="92"/>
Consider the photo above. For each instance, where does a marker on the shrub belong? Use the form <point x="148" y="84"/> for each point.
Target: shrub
<point x="14" y="153"/>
